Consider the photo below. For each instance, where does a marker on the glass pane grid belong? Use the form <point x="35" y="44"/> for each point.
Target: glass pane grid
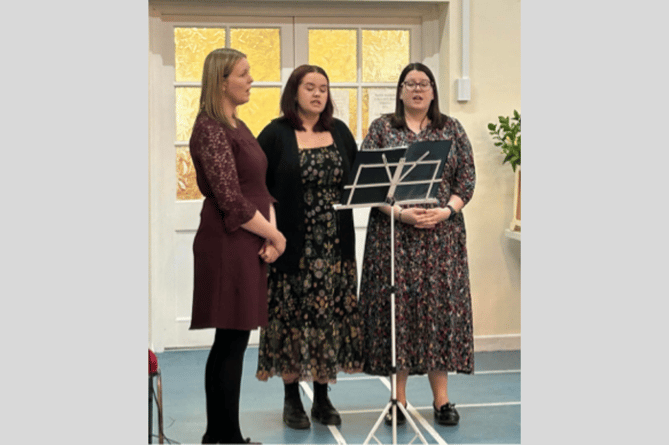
<point x="186" y="179"/>
<point x="261" y="109"/>
<point x="191" y="46"/>
<point x="382" y="53"/>
<point x="356" y="60"/>
<point x="335" y="50"/>
<point x="187" y="104"/>
<point x="262" y="47"/>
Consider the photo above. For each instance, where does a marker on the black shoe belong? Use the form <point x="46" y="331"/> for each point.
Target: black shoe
<point x="400" y="417"/>
<point x="293" y="411"/>
<point x="208" y="439"/>
<point x="294" y="415"/>
<point x="322" y="411"/>
<point x="446" y="415"/>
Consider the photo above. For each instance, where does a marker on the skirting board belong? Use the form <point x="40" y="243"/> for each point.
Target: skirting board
<point x="485" y="343"/>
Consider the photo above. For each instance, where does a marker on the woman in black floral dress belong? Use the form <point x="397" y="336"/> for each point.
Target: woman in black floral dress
<point x="314" y="328"/>
<point x="433" y="302"/>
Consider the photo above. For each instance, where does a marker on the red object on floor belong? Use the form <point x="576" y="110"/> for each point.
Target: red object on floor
<point x="154" y="372"/>
<point x="153" y="363"/>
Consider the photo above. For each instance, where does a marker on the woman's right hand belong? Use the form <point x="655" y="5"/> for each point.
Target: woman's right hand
<point x="267" y="230"/>
<point x="278" y="241"/>
<point x="268" y="253"/>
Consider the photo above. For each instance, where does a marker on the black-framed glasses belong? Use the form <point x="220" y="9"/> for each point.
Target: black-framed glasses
<point x="411" y="85"/>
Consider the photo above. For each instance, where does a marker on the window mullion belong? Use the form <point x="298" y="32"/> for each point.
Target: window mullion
<point x="359" y="86"/>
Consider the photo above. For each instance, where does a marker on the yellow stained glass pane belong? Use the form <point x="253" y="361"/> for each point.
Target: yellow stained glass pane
<point x="262" y="47"/>
<point x="351" y="105"/>
<point x="186" y="179"/>
<point x="258" y="112"/>
<point x="191" y="46"/>
<point x="384" y="54"/>
<point x="261" y="109"/>
<point x="187" y="106"/>
<point x="335" y="50"/>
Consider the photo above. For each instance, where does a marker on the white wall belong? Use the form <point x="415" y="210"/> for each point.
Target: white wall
<point x="494" y="71"/>
<point x="495" y="90"/>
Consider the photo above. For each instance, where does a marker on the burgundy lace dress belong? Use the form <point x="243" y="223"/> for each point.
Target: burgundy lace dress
<point x="230" y="282"/>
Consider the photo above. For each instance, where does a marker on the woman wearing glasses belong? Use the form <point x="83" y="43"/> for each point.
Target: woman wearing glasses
<point x="433" y="302"/>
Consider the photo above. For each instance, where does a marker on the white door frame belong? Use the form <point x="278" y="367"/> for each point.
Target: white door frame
<point x="172" y="223"/>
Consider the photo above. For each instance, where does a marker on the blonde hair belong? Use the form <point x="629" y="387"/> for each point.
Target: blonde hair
<point x="217" y="67"/>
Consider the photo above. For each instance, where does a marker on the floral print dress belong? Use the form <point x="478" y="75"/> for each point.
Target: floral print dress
<point x="433" y="301"/>
<point x="315" y="326"/>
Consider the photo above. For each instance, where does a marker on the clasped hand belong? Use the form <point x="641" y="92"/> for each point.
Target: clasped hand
<point x="272" y="249"/>
<point x="424" y="218"/>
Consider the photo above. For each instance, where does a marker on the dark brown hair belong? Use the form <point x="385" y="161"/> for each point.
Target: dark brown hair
<point x="397" y="120"/>
<point x="289" y="106"/>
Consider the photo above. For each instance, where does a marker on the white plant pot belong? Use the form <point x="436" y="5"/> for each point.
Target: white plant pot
<point x="515" y="223"/>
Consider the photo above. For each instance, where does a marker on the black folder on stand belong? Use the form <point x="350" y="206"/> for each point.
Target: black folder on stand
<point x="370" y="180"/>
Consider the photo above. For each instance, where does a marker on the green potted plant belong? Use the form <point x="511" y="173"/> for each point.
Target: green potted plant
<point x="507" y="135"/>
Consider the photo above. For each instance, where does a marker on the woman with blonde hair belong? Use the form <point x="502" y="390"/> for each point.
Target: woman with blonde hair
<point x="237" y="236"/>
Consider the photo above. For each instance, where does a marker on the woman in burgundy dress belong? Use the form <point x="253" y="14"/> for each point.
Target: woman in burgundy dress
<point x="237" y="236"/>
<point x="433" y="302"/>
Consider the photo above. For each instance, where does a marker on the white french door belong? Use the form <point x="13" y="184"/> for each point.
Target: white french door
<point x="173" y="221"/>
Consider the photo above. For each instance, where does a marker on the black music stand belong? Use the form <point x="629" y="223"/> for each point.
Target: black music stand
<point x="387" y="177"/>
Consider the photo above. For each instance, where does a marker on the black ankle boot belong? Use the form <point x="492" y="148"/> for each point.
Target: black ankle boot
<point x="293" y="411"/>
<point x="322" y="410"/>
<point x="207" y="438"/>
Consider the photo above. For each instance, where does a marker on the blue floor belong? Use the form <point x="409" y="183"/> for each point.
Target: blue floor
<point x="488" y="402"/>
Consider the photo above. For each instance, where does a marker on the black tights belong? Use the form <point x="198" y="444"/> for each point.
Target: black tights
<point x="222" y="382"/>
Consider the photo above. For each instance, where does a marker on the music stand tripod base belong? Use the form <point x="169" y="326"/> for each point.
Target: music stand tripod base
<point x="400" y="186"/>
<point x="393" y="405"/>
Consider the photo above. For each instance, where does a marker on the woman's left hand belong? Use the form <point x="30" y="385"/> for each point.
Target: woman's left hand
<point x="431" y="217"/>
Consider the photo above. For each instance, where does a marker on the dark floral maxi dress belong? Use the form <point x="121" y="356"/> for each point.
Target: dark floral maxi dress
<point x="314" y="325"/>
<point x="433" y="301"/>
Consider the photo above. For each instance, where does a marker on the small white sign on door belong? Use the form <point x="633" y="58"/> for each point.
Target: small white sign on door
<point x="340" y="100"/>
<point x="381" y="101"/>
